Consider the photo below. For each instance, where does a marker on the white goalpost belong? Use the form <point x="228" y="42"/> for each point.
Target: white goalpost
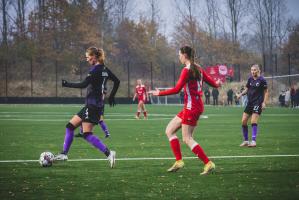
<point x="280" y="85"/>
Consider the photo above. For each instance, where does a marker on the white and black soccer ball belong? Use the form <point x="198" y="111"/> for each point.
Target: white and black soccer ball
<point x="46" y="159"/>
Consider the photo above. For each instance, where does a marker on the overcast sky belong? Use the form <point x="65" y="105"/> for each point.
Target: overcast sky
<point x="169" y="14"/>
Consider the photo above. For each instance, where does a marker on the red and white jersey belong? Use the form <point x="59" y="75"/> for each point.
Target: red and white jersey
<point x="141" y="92"/>
<point x="192" y="88"/>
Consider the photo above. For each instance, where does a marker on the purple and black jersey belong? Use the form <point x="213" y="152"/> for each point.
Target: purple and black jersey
<point x="96" y="83"/>
<point x="255" y="92"/>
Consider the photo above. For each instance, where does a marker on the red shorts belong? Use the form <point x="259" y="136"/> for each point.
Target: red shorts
<point x="141" y="100"/>
<point x="189" y="117"/>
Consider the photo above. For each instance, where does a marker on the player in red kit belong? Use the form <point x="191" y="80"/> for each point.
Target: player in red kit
<point x="191" y="79"/>
<point x="142" y="95"/>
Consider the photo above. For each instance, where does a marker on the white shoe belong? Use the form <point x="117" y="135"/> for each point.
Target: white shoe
<point x="61" y="157"/>
<point x="244" y="144"/>
<point x="252" y="144"/>
<point x="111" y="159"/>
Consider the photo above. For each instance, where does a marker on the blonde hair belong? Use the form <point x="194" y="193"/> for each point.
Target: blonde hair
<point x="256" y="66"/>
<point x="98" y="53"/>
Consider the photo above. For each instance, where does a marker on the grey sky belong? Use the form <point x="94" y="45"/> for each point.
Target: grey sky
<point x="169" y="13"/>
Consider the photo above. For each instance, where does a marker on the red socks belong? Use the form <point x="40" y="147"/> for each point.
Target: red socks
<point x="197" y="150"/>
<point x="145" y="114"/>
<point x="176" y="148"/>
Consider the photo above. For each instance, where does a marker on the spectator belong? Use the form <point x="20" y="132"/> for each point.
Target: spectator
<point x="287" y="97"/>
<point x="293" y="93"/>
<point x="297" y="98"/>
<point x="281" y="99"/>
<point x="215" y="94"/>
<point x="207" y="96"/>
<point x="237" y="102"/>
<point x="230" y="94"/>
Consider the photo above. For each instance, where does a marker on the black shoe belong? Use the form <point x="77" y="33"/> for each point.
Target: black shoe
<point x="107" y="135"/>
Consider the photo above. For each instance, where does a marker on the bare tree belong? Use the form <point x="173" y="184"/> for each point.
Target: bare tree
<point x="103" y="8"/>
<point x="186" y="8"/>
<point x="121" y="10"/>
<point x="20" y="10"/>
<point x="154" y="11"/>
<point x="271" y="26"/>
<point x="4" y="4"/>
<point x="236" y="10"/>
<point x="212" y="17"/>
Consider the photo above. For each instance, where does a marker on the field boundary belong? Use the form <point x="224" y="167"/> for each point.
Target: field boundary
<point x="156" y="158"/>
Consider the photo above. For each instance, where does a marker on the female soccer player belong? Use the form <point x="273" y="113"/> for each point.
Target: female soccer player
<point x="90" y="114"/>
<point x="142" y="95"/>
<point x="191" y="79"/>
<point x="257" y="94"/>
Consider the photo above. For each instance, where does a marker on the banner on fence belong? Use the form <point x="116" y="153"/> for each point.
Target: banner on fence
<point x="221" y="72"/>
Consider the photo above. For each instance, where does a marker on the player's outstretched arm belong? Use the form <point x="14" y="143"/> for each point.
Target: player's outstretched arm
<point x="210" y="81"/>
<point x="82" y="84"/>
<point x="179" y="85"/>
<point x="242" y="93"/>
<point x="154" y="92"/>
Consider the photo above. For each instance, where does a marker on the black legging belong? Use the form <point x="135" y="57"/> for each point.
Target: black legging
<point x="215" y="101"/>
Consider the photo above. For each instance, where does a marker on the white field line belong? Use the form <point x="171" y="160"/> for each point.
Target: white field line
<point x="9" y="114"/>
<point x="62" y="120"/>
<point x="156" y="158"/>
<point x="156" y="116"/>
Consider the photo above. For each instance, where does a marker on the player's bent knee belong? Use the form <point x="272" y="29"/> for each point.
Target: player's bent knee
<point x="70" y="126"/>
<point x="86" y="134"/>
<point x="168" y="133"/>
<point x="244" y="122"/>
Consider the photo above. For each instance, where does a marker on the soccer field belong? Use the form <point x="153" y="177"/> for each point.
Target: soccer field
<point x="269" y="171"/>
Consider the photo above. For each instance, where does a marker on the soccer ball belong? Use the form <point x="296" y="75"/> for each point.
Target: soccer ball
<point x="46" y="159"/>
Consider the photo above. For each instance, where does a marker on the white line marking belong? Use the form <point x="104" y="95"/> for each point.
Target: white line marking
<point x="62" y="120"/>
<point x="10" y="114"/>
<point x="152" y="158"/>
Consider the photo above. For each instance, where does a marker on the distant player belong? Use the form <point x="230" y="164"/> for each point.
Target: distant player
<point x="257" y="94"/>
<point x="191" y="79"/>
<point x="142" y="95"/>
<point x="90" y="114"/>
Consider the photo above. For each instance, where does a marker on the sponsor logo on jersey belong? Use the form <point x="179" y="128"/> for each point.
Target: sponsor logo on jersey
<point x="105" y="74"/>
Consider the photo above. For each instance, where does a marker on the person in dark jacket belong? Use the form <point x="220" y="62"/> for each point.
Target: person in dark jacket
<point x="215" y="94"/>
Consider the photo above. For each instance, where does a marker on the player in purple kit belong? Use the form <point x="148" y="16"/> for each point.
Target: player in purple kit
<point x="257" y="93"/>
<point x="94" y="104"/>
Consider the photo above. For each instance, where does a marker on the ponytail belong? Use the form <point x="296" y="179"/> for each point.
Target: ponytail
<point x="101" y="57"/>
<point x="98" y="53"/>
<point x="194" y="72"/>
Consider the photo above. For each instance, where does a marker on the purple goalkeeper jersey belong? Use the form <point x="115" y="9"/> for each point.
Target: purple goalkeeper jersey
<point x="255" y="91"/>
